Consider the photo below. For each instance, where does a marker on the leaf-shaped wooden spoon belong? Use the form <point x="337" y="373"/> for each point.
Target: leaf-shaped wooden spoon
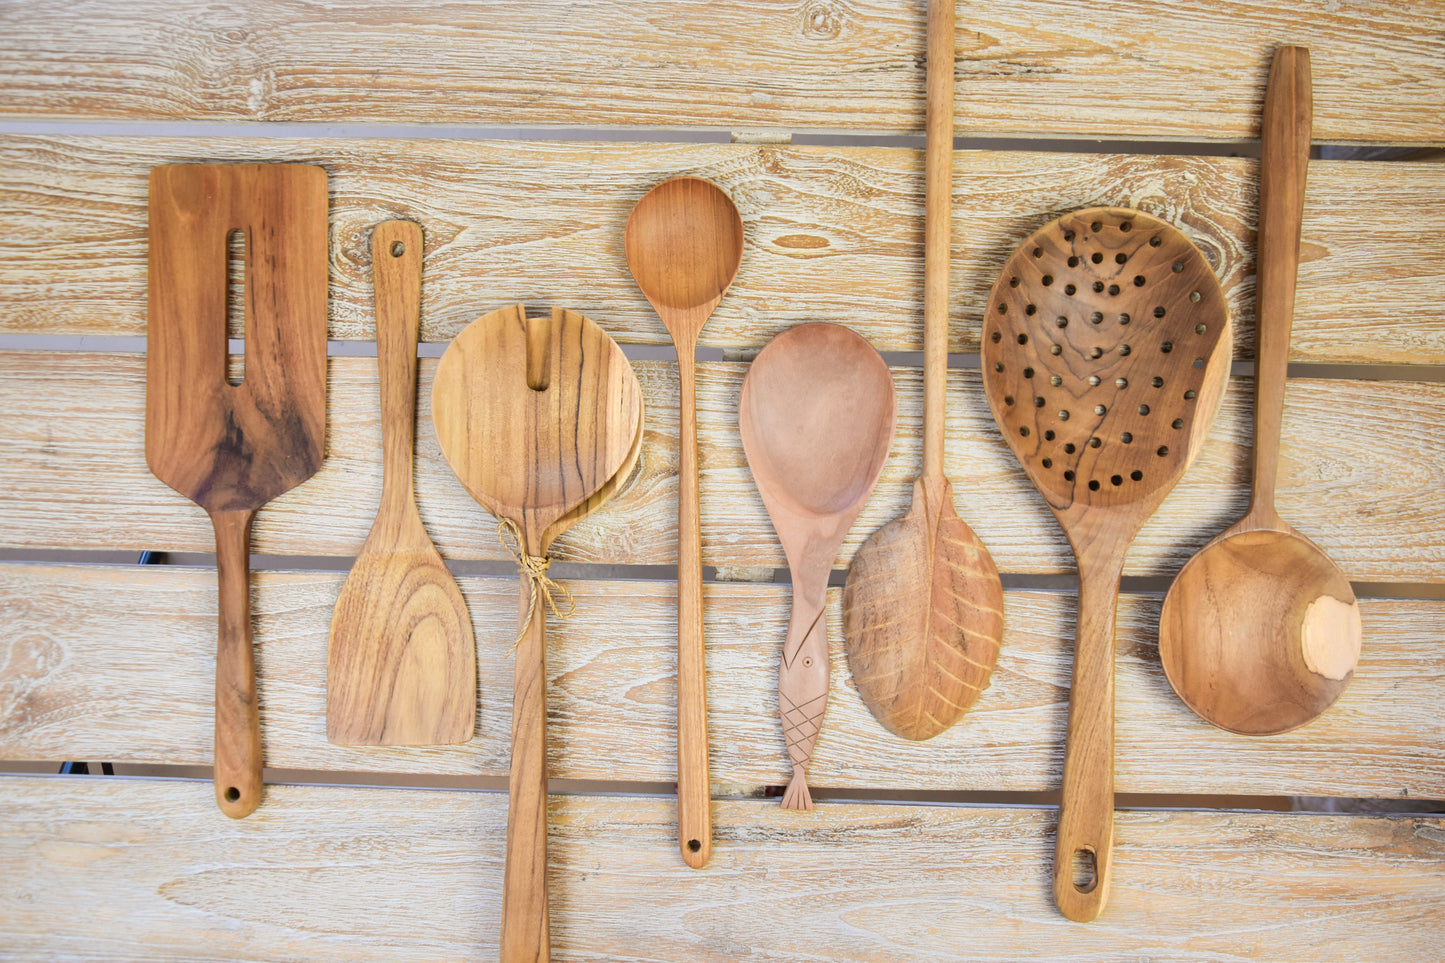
<point x="1261" y="631"/>
<point x="1106" y="349"/>
<point x="402" y="660"/>
<point x="817" y="414"/>
<point x="923" y="606"/>
<point x="536" y="417"/>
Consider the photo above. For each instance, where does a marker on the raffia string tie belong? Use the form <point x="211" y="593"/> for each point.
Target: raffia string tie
<point x="534" y="570"/>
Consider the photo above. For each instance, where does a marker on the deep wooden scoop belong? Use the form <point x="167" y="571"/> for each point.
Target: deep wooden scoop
<point x="817" y="414"/>
<point x="536" y="417"/>
<point x="1106" y="350"/>
<point x="1261" y="631"/>
<point x="402" y="660"/>
<point x="684" y="243"/>
<point x="923" y="605"/>
<point x="232" y="448"/>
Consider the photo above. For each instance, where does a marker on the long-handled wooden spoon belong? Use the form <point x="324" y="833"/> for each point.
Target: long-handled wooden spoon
<point x="923" y="605"/>
<point x="402" y="660"/>
<point x="1106" y="350"/>
<point x="233" y="448"/>
<point x="684" y="243"/>
<point x="536" y="417"/>
<point x="1261" y="631"/>
<point x="817" y="414"/>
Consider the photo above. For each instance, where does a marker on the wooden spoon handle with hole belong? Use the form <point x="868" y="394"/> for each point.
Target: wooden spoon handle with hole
<point x="238" y="720"/>
<point x="396" y="250"/>
<point x="1084" y="848"/>
<point x="694" y="791"/>
<point x="525" y="920"/>
<point x="1284" y="160"/>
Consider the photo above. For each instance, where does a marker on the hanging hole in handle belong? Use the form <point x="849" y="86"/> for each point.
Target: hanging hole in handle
<point x="694" y="845"/>
<point x="1086" y="870"/>
<point x="232" y="794"/>
<point x="397" y="248"/>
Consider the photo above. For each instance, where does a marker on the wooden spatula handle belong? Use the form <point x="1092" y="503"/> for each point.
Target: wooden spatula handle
<point x="238" y="723"/>
<point x="524" y="894"/>
<point x="1284" y="159"/>
<point x="937" y="230"/>
<point x="1084" y="852"/>
<point x="396" y="248"/>
<point x="694" y="791"/>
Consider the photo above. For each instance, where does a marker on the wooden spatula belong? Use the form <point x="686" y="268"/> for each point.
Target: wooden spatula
<point x="232" y="448"/>
<point x="402" y="660"/>
<point x="537" y="417"/>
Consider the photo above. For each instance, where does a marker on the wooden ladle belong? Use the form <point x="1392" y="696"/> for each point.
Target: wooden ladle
<point x="1261" y="631"/>
<point x="817" y="414"/>
<point x="684" y="243"/>
<point x="923" y="605"/>
<point x="536" y="417"/>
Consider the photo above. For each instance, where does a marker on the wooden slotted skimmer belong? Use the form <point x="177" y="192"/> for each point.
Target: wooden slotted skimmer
<point x="538" y="418"/>
<point x="1106" y="348"/>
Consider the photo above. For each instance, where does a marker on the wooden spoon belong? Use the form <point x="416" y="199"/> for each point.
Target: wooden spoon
<point x="402" y="660"/>
<point x="817" y="414"/>
<point x="536" y="417"/>
<point x="923" y="605"/>
<point x="1106" y="350"/>
<point x="1261" y="631"/>
<point x="231" y="448"/>
<point x="684" y="243"/>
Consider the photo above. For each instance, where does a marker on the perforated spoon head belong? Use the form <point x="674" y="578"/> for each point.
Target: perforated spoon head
<point x="1106" y="349"/>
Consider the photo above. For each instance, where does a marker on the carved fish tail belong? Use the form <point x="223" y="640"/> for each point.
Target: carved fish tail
<point x="801" y="725"/>
<point x="796" y="796"/>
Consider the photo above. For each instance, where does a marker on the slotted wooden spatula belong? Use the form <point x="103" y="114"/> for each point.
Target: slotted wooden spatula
<point x="233" y="448"/>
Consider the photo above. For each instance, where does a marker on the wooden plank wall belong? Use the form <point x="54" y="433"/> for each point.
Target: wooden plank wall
<point x="520" y="135"/>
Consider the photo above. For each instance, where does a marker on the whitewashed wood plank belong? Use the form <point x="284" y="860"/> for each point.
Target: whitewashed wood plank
<point x="1356" y="476"/>
<point x="832" y="234"/>
<point x="117" y="663"/>
<point x="1165" y="69"/>
<point x="407" y="875"/>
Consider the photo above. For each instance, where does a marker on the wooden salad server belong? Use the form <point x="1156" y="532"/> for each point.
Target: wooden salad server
<point x="402" y="660"/>
<point x="923" y="604"/>
<point x="684" y="243"/>
<point x="231" y="448"/>
<point x="537" y="417"/>
<point x="817" y="413"/>
<point x="1106" y="350"/>
<point x="1261" y="631"/>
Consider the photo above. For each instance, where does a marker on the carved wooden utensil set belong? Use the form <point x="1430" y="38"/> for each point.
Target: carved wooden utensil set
<point x="1106" y="348"/>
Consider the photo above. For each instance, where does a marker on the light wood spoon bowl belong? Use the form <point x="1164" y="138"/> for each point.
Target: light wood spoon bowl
<point x="817" y="414"/>
<point x="536" y="417"/>
<point x="684" y="243"/>
<point x="1260" y="631"/>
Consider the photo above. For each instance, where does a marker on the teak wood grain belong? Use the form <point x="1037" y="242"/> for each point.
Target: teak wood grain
<point x="83" y="640"/>
<point x="1260" y="631"/>
<point x="401" y="659"/>
<point x="231" y="448"/>
<point x="923" y="606"/>
<point x="1210" y="886"/>
<point x="684" y="243"/>
<point x="1172" y="70"/>
<point x="536" y="417"/>
<point x="78" y="424"/>
<point x="816" y="416"/>
<point x="835" y="230"/>
<point x="1106" y="353"/>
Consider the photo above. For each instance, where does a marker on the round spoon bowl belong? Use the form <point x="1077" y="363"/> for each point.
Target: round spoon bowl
<point x="684" y="243"/>
<point x="817" y="418"/>
<point x="1260" y="632"/>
